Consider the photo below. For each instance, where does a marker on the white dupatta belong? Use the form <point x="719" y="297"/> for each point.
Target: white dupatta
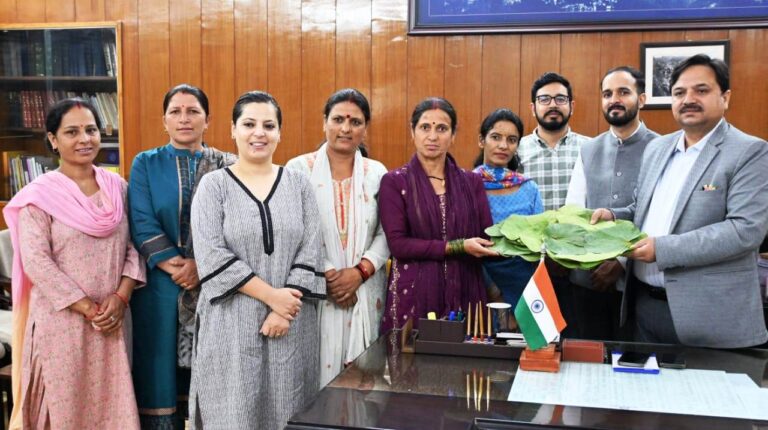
<point x="332" y="318"/>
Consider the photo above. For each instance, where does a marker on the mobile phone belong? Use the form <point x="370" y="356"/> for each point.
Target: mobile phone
<point x="672" y="361"/>
<point x="634" y="359"/>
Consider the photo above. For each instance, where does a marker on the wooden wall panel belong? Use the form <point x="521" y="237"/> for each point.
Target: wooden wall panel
<point x="463" y="73"/>
<point x="218" y="49"/>
<point x="186" y="42"/>
<point x="8" y="11"/>
<point x="539" y="53"/>
<point x="284" y="21"/>
<point x="127" y="11"/>
<point x="388" y="135"/>
<point x="60" y="10"/>
<point x="584" y="78"/>
<point x="501" y="74"/>
<point x="29" y="11"/>
<point x="318" y="64"/>
<point x="747" y="110"/>
<point x="251" y="65"/>
<point x="353" y="45"/>
<point x="154" y="70"/>
<point x="302" y="50"/>
<point x="89" y="10"/>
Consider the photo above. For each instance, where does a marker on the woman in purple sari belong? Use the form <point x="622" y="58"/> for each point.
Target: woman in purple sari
<point x="433" y="214"/>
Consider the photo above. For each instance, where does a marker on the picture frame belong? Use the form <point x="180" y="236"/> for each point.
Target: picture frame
<point x="657" y="60"/>
<point x="427" y="17"/>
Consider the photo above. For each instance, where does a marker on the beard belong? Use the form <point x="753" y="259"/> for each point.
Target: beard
<point x="630" y="113"/>
<point x="554" y="124"/>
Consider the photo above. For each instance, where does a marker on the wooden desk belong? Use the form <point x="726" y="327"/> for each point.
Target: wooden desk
<point x="386" y="389"/>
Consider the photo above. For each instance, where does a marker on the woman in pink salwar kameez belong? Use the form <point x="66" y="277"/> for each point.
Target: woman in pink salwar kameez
<point x="74" y="272"/>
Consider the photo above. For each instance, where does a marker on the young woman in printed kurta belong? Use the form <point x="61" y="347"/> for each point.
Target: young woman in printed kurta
<point x="163" y="181"/>
<point x="74" y="272"/>
<point x="257" y="243"/>
<point x="346" y="185"/>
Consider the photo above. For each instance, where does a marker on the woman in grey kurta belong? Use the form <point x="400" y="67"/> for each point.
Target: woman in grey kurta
<point x="240" y="377"/>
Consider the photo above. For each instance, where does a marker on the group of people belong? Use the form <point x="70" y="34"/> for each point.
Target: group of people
<point x="234" y="288"/>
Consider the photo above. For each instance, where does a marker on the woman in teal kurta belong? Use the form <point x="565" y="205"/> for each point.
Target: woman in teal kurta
<point x="160" y="192"/>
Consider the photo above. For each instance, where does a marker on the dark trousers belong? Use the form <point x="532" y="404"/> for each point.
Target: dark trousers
<point x="654" y="319"/>
<point x="598" y="315"/>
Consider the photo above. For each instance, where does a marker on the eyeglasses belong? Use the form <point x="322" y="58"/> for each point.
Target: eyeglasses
<point x="559" y="99"/>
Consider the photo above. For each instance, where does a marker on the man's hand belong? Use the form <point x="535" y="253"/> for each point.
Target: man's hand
<point x="604" y="277"/>
<point x="601" y="214"/>
<point x="644" y="250"/>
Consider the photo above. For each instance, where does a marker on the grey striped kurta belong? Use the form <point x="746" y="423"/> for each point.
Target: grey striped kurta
<point x="241" y="379"/>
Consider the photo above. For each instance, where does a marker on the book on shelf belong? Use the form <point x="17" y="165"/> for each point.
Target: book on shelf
<point x="90" y="52"/>
<point x="19" y="168"/>
<point x="27" y="109"/>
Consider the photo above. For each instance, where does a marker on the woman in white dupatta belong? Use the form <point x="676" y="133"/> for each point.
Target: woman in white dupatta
<point x="346" y="186"/>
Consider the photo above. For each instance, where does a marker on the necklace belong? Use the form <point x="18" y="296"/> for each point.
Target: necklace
<point x="435" y="177"/>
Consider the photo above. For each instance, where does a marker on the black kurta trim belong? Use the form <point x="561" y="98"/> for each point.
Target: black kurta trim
<point x="307" y="268"/>
<point x="267" y="229"/>
<point x="223" y="267"/>
<point x="232" y="290"/>
<point x="306" y="294"/>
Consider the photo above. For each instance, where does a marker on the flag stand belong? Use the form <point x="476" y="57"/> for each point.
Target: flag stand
<point x="544" y="359"/>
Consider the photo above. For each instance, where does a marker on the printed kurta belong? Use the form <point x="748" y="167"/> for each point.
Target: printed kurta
<point x="241" y="379"/>
<point x="76" y="375"/>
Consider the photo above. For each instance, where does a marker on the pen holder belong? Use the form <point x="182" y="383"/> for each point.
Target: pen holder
<point x="441" y="330"/>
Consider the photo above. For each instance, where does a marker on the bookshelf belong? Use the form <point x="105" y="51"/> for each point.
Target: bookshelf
<point x="43" y="63"/>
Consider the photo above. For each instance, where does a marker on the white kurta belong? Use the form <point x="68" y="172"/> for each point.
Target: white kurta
<point x="345" y="333"/>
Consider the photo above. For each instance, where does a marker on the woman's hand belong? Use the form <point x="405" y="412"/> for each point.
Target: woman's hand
<point x="110" y="315"/>
<point x="186" y="274"/>
<point x="86" y="307"/>
<point x="478" y="247"/>
<point x="275" y="325"/>
<point x="171" y="266"/>
<point x="343" y="284"/>
<point x="285" y="302"/>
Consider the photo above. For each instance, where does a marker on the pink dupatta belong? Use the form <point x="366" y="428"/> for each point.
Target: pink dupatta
<point x="61" y="198"/>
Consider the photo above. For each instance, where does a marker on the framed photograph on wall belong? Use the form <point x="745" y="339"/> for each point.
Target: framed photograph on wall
<point x="530" y="16"/>
<point x="659" y="59"/>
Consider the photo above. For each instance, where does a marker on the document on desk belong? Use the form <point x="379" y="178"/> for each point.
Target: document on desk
<point x="689" y="391"/>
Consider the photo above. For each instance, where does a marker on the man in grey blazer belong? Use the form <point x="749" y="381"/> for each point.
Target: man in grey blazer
<point x="702" y="197"/>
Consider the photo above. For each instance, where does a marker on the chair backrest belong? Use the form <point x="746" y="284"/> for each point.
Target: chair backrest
<point x="6" y="253"/>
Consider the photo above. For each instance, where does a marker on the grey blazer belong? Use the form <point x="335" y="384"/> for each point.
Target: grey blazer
<point x="709" y="257"/>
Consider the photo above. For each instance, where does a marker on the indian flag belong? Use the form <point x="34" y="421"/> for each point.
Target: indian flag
<point x="537" y="312"/>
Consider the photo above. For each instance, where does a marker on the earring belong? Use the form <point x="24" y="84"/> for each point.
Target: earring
<point x="55" y="150"/>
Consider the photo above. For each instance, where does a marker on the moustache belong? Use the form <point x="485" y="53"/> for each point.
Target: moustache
<point x="617" y="107"/>
<point x="554" y="111"/>
<point x="690" y="108"/>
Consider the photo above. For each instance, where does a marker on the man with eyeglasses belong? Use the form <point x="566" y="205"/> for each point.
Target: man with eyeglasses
<point x="605" y="175"/>
<point x="547" y="156"/>
<point x="702" y="198"/>
<point x="549" y="153"/>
